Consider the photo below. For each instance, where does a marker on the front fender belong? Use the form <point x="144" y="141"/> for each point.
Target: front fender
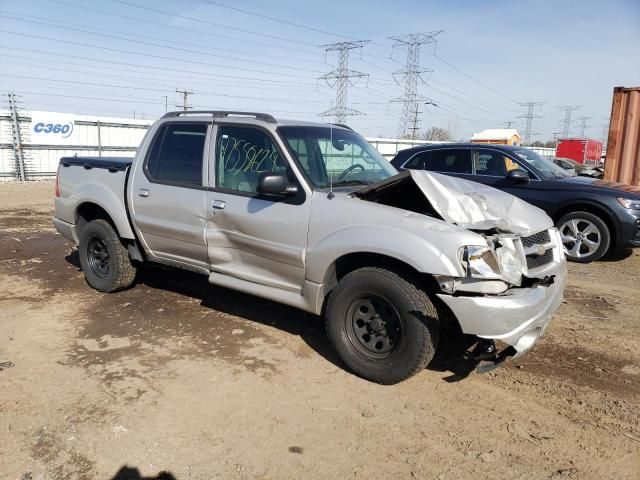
<point x="407" y="247"/>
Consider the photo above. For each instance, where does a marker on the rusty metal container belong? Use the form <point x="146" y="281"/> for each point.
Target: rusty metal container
<point x="623" y="146"/>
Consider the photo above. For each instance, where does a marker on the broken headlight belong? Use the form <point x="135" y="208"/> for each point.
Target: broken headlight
<point x="510" y="264"/>
<point x="481" y="262"/>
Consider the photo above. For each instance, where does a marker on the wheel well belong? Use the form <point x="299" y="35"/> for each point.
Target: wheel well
<point x="91" y="211"/>
<point x="599" y="212"/>
<point x="353" y="261"/>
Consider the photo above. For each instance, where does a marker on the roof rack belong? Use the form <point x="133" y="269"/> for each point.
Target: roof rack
<point x="343" y="125"/>
<point x="265" y="117"/>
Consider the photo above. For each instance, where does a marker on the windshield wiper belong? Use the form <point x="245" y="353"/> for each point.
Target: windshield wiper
<point x="344" y="183"/>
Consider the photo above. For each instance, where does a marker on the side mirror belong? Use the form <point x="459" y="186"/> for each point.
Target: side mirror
<point x="275" y="184"/>
<point x="518" y="176"/>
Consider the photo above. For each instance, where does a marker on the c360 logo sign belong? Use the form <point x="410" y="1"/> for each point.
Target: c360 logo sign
<point x="62" y="129"/>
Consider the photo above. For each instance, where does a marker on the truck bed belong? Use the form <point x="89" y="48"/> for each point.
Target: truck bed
<point x="99" y="181"/>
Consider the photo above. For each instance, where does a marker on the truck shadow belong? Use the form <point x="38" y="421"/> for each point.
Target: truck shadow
<point x="129" y="473"/>
<point x="451" y="356"/>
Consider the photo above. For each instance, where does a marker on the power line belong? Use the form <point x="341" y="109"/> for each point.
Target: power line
<point x="568" y="109"/>
<point x="529" y="116"/>
<point x="152" y="67"/>
<point x="168" y="47"/>
<point x="206" y="22"/>
<point x="410" y="74"/>
<point x="274" y="19"/>
<point x="473" y="78"/>
<point x="131" y="52"/>
<point x="341" y="78"/>
<point x="176" y="27"/>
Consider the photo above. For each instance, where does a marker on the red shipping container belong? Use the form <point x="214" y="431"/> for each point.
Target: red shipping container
<point x="582" y="150"/>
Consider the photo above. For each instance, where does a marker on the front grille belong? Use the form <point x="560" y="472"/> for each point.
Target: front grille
<point x="535" y="261"/>
<point x="536" y="239"/>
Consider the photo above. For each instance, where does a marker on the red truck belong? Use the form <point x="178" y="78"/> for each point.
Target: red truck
<point x="582" y="150"/>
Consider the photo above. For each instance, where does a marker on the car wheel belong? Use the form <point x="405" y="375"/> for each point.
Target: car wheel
<point x="383" y="327"/>
<point x="585" y="236"/>
<point x="104" y="259"/>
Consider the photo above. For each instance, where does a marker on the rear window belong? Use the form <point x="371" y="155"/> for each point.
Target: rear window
<point x="177" y="154"/>
<point x="450" y="160"/>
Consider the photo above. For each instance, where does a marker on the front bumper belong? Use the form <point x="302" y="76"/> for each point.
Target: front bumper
<point x="518" y="317"/>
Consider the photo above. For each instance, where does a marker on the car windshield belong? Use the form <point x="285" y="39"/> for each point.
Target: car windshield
<point x="546" y="168"/>
<point x="335" y="156"/>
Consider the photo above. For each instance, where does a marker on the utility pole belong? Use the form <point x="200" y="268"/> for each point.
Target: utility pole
<point x="16" y="139"/>
<point x="508" y="124"/>
<point x="166" y="101"/>
<point x="341" y="78"/>
<point x="566" y="126"/>
<point x="529" y="116"/>
<point x="410" y="75"/>
<point x="583" y="125"/>
<point x="185" y="99"/>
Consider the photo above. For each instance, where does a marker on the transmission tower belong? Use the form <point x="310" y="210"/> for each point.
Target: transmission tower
<point x="185" y="99"/>
<point x="583" y="125"/>
<point x="568" y="109"/>
<point x="341" y="78"/>
<point x="16" y="139"/>
<point x="410" y="75"/>
<point x="529" y="116"/>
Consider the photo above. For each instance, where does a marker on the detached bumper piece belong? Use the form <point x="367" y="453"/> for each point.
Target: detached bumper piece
<point x="518" y="317"/>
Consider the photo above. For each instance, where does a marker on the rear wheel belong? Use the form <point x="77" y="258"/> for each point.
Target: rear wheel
<point x="104" y="259"/>
<point x="585" y="236"/>
<point x="382" y="326"/>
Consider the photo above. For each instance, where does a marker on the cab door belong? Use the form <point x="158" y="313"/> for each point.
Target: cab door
<point x="257" y="238"/>
<point x="167" y="193"/>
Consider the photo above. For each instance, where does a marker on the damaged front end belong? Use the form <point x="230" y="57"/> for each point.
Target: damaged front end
<point x="514" y="276"/>
<point x="512" y="288"/>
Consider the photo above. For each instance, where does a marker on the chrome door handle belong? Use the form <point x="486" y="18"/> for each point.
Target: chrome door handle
<point x="219" y="204"/>
<point x="143" y="192"/>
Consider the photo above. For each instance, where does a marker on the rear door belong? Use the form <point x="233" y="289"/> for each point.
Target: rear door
<point x="167" y="193"/>
<point x="253" y="237"/>
<point x="452" y="161"/>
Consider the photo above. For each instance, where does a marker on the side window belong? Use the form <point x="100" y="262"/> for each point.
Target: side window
<point x="449" y="161"/>
<point x="489" y="162"/>
<point x="177" y="154"/>
<point x="242" y="153"/>
<point x="418" y="161"/>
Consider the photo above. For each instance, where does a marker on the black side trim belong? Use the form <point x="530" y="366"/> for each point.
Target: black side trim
<point x="113" y="164"/>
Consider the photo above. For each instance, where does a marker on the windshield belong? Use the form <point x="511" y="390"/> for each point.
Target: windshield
<point x="335" y="156"/>
<point x="545" y="168"/>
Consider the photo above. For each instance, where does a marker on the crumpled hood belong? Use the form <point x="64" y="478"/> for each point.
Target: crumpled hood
<point x="476" y="206"/>
<point x="471" y="205"/>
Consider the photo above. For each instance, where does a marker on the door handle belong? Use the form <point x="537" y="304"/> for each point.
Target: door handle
<point x="219" y="204"/>
<point x="143" y="192"/>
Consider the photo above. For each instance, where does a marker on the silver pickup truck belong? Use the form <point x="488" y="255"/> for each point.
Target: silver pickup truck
<point x="312" y="216"/>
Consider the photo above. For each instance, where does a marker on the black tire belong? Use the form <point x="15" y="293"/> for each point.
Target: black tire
<point x="404" y="309"/>
<point x="582" y="252"/>
<point x="104" y="259"/>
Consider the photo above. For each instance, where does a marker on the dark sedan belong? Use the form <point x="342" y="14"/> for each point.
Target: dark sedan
<point x="593" y="216"/>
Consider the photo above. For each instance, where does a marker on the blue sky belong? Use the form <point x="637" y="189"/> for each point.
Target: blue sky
<point x="118" y="59"/>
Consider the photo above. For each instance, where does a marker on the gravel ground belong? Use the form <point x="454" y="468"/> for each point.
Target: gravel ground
<point x="196" y="381"/>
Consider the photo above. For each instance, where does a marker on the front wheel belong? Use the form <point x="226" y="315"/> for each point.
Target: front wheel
<point x="585" y="237"/>
<point x="104" y="259"/>
<point x="383" y="327"/>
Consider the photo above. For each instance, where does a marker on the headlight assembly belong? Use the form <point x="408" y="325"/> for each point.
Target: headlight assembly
<point x="510" y="264"/>
<point x="629" y="203"/>
<point x="481" y="262"/>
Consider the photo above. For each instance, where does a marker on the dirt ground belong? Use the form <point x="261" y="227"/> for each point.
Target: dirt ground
<point x="200" y="382"/>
